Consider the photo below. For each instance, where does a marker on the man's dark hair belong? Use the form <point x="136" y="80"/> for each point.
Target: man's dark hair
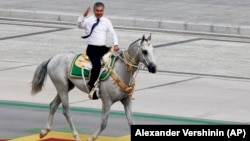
<point x="99" y="4"/>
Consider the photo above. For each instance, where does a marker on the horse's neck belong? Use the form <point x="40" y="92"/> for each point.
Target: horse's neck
<point x="127" y="64"/>
<point x="133" y="53"/>
<point x="122" y="71"/>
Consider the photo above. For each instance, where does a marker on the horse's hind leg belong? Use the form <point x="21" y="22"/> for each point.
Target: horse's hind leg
<point x="53" y="107"/>
<point x="104" y="120"/>
<point x="66" y="111"/>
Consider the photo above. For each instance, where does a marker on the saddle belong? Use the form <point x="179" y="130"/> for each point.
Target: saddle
<point x="81" y="66"/>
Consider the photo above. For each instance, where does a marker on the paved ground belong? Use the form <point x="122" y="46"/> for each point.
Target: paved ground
<point x="224" y="16"/>
<point x="199" y="76"/>
<point x="21" y="119"/>
<point x="213" y="11"/>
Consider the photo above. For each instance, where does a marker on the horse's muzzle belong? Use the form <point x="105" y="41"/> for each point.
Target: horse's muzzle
<point x="152" y="68"/>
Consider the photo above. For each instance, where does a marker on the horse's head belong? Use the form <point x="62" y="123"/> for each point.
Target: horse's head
<point x="143" y="51"/>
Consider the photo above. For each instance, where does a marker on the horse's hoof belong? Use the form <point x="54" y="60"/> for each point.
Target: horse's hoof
<point x="43" y="133"/>
<point x="78" y="139"/>
<point x="90" y="139"/>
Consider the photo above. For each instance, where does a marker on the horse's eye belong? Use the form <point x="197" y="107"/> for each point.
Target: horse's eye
<point x="145" y="52"/>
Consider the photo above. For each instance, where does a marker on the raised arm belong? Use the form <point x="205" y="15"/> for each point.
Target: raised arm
<point x="80" y="20"/>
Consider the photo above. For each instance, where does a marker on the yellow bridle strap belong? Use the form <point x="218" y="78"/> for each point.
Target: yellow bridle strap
<point x="123" y="86"/>
<point x="131" y="60"/>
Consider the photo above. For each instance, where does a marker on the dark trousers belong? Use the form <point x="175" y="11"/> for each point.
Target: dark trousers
<point x="95" y="54"/>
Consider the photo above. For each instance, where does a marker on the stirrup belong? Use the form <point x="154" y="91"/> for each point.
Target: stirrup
<point x="94" y="93"/>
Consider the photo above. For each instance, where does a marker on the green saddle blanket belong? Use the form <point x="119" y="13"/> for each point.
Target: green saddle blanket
<point x="80" y="66"/>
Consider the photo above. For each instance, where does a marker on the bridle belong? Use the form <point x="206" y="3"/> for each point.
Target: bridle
<point x="131" y="63"/>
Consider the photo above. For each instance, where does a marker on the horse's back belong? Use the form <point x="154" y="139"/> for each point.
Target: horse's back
<point x="59" y="64"/>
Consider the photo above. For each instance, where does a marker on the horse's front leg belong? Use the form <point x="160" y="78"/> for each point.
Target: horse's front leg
<point x="127" y="103"/>
<point x="53" y="107"/>
<point x="104" y="120"/>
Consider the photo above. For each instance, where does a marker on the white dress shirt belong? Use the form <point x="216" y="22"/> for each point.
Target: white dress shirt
<point x="99" y="34"/>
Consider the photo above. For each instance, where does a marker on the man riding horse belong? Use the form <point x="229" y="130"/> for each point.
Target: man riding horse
<point x="96" y="28"/>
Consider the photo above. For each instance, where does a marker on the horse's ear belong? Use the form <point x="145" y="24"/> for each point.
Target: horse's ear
<point x="149" y="37"/>
<point x="142" y="39"/>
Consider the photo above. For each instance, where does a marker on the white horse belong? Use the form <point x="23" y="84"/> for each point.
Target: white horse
<point x="123" y="74"/>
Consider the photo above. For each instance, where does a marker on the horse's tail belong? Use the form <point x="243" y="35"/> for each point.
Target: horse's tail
<point x="39" y="77"/>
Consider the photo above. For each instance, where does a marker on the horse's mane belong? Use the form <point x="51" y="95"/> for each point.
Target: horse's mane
<point x="134" y="42"/>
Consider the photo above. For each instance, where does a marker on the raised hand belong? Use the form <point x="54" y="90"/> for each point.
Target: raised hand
<point x="86" y="12"/>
